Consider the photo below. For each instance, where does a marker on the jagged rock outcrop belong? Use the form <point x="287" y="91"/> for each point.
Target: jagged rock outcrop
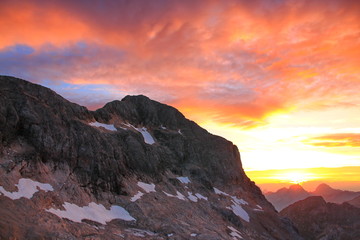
<point x="316" y="219"/>
<point x="133" y="169"/>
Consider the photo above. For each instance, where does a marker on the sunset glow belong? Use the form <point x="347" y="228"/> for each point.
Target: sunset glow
<point x="340" y="177"/>
<point x="280" y="79"/>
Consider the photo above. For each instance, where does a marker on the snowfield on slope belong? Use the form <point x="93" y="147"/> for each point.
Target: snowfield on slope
<point x="109" y="127"/>
<point x="26" y="188"/>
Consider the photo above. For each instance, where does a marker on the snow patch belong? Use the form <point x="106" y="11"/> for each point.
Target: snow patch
<point x="147" y="187"/>
<point x="239" y="211"/>
<point x="109" y="127"/>
<point x="162" y="127"/>
<point x="193" y="235"/>
<point x="258" y="206"/>
<point x="170" y="235"/>
<point x="129" y="125"/>
<point x="26" y="188"/>
<point x="191" y="197"/>
<point x="184" y="180"/>
<point x="94" y="212"/>
<point x="146" y="135"/>
<point x="137" y="196"/>
<point x="178" y="195"/>
<point x="235" y="233"/>
<point x="179" y="131"/>
<point x="199" y="196"/>
<point x="238" y="201"/>
<point x="217" y="191"/>
<point x="236" y="205"/>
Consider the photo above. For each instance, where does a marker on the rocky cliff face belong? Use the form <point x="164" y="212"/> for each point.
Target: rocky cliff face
<point x="317" y="219"/>
<point x="134" y="169"/>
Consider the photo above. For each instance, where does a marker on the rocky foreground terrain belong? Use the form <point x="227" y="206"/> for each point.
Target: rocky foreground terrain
<point x="317" y="219"/>
<point x="134" y="169"/>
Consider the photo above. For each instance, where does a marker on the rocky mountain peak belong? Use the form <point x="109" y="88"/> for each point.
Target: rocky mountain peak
<point x="323" y="188"/>
<point x="143" y="111"/>
<point x="286" y="196"/>
<point x="296" y="188"/>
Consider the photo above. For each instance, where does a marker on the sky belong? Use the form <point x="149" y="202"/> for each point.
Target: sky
<point x="279" y="78"/>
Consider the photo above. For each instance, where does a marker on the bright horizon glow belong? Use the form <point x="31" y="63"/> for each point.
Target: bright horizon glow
<point x="296" y="177"/>
<point x="346" y="178"/>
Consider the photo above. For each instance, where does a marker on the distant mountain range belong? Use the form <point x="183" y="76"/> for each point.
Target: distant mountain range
<point x="286" y="196"/>
<point x="316" y="219"/>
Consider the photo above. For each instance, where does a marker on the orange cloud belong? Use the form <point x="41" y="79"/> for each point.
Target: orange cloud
<point x="235" y="61"/>
<point x="335" y="140"/>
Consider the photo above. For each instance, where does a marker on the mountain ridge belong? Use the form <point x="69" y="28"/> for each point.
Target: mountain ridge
<point x="287" y="196"/>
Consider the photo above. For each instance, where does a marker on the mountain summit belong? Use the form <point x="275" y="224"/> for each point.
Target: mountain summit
<point x="286" y="196"/>
<point x="134" y="169"/>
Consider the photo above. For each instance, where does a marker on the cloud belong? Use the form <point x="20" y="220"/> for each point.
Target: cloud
<point x="235" y="61"/>
<point x="335" y="140"/>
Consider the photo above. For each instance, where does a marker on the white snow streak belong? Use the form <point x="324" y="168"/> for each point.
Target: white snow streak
<point x="239" y="211"/>
<point x="26" y="188"/>
<point x="137" y="196"/>
<point x="94" y="212"/>
<point x="147" y="187"/>
<point x="239" y="201"/>
<point x="191" y="197"/>
<point x="217" y="191"/>
<point x="110" y="127"/>
<point x="184" y="180"/>
<point x="235" y="233"/>
<point x="146" y="135"/>
<point x="236" y="205"/>
<point x="178" y="195"/>
<point x="199" y="196"/>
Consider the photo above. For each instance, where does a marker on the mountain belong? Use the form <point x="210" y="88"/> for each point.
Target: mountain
<point x="134" y="169"/>
<point x="334" y="195"/>
<point x="286" y="196"/>
<point x="355" y="202"/>
<point x="316" y="219"/>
